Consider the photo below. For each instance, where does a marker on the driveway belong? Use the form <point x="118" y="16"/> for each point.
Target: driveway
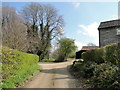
<point x="53" y="75"/>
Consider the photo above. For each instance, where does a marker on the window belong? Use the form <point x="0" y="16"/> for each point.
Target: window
<point x="118" y="31"/>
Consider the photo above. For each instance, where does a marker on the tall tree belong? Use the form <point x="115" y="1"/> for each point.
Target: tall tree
<point x="45" y="22"/>
<point x="13" y="29"/>
<point x="66" y="47"/>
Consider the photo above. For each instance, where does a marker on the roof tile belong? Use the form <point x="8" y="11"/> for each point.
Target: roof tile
<point x="107" y="24"/>
<point x="89" y="47"/>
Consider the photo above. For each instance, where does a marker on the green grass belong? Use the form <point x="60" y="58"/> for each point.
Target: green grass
<point x="47" y="60"/>
<point x="17" y="67"/>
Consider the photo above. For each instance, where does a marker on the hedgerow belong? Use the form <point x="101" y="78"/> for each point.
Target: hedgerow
<point x="85" y="68"/>
<point x="112" y="54"/>
<point x="109" y="53"/>
<point x="94" y="55"/>
<point x="101" y="66"/>
<point x="17" y="67"/>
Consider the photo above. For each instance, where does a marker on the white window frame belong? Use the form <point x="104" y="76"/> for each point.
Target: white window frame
<point x="118" y="31"/>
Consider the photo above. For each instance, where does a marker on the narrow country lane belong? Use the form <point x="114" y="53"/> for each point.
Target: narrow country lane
<point x="53" y="75"/>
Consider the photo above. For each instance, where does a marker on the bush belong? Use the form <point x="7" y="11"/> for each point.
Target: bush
<point x="94" y="55"/>
<point x="99" y="55"/>
<point x="47" y="60"/>
<point x="88" y="56"/>
<point x="102" y="66"/>
<point x="85" y="69"/>
<point x="76" y="66"/>
<point x="109" y="53"/>
<point x="17" y="67"/>
<point x="106" y="76"/>
<point x="112" y="53"/>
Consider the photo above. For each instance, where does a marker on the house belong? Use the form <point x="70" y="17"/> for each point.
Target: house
<point x="109" y="32"/>
<point x="84" y="49"/>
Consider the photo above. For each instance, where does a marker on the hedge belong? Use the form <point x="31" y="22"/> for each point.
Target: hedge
<point x="17" y="67"/>
<point x="106" y="75"/>
<point x="109" y="53"/>
<point x="85" y="69"/>
<point x="101" y="66"/>
<point x="112" y="54"/>
<point x="104" y="64"/>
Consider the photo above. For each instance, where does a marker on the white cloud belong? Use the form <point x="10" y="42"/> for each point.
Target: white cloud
<point x="76" y="5"/>
<point x="79" y="44"/>
<point x="91" y="31"/>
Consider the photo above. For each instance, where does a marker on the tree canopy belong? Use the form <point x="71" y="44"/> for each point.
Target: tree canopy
<point x="43" y="25"/>
<point x="66" y="47"/>
<point x="32" y="29"/>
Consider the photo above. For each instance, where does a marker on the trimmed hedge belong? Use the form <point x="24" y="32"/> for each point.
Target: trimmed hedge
<point x="17" y="67"/>
<point x="101" y="66"/>
<point x="109" y="53"/>
<point x="112" y="53"/>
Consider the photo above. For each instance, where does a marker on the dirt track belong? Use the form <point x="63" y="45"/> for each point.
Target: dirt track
<point x="53" y="75"/>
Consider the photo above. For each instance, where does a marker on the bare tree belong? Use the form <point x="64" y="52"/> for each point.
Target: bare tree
<point x="91" y="44"/>
<point x="30" y="14"/>
<point x="13" y="29"/>
<point x="45" y="21"/>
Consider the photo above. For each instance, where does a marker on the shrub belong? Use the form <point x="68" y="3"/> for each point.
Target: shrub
<point x="106" y="76"/>
<point x="85" y="69"/>
<point x="17" y="67"/>
<point x="94" y="55"/>
<point x="88" y="56"/>
<point x="98" y="55"/>
<point x="47" y="60"/>
<point x="103" y="64"/>
<point x="76" y="66"/>
<point x="109" y="53"/>
<point x="112" y="53"/>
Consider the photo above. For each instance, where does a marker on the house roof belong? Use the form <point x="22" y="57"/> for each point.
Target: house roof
<point x="107" y="24"/>
<point x="89" y="47"/>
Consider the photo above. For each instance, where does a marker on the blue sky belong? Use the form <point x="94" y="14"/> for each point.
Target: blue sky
<point x="81" y="18"/>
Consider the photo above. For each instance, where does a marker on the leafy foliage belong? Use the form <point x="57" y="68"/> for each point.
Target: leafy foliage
<point x="50" y="24"/>
<point x="109" y="53"/>
<point x="112" y="54"/>
<point x="85" y="68"/>
<point x="17" y="67"/>
<point x="65" y="49"/>
<point x="106" y="76"/>
<point x="101" y="66"/>
<point x="48" y="60"/>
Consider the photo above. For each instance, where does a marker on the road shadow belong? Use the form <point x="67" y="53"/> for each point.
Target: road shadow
<point x="62" y="71"/>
